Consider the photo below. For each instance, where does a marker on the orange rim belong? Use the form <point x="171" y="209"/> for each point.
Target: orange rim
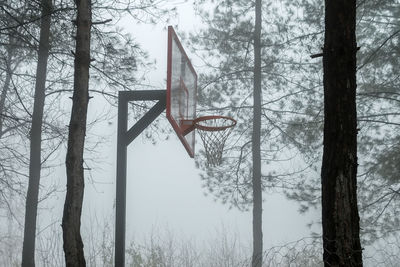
<point x="213" y="128"/>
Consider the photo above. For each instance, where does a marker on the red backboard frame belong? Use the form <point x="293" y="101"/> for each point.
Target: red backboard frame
<point x="178" y="87"/>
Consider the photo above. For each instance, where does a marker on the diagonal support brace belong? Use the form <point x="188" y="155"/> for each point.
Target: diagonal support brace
<point x="145" y="121"/>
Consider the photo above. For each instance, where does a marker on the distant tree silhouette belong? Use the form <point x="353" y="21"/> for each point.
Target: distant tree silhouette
<point x="257" y="258"/>
<point x="35" y="161"/>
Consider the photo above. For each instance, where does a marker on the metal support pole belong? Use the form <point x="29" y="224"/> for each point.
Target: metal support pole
<point x="124" y="138"/>
<point x="120" y="197"/>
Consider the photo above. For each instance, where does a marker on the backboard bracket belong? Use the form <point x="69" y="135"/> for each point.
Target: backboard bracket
<point x="124" y="138"/>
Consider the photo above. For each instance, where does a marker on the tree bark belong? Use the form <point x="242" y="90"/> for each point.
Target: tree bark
<point x="340" y="219"/>
<point x="28" y="250"/>
<point x="71" y="223"/>
<point x="256" y="140"/>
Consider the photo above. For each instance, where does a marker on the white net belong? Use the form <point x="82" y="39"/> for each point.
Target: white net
<point x="214" y="131"/>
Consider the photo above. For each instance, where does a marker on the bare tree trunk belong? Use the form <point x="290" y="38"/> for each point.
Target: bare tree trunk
<point x="28" y="251"/>
<point x="256" y="139"/>
<point x="340" y="219"/>
<point x="71" y="223"/>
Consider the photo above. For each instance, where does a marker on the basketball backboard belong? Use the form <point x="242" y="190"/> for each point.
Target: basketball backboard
<point x="181" y="92"/>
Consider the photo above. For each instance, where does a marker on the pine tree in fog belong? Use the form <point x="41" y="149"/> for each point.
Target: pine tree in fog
<point x="28" y="252"/>
<point x="71" y="222"/>
<point x="257" y="258"/>
<point x="377" y="108"/>
<point x="242" y="82"/>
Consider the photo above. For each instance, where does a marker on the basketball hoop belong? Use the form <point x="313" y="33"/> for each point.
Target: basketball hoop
<point x="214" y="130"/>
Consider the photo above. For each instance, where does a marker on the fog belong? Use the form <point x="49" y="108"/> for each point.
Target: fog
<point x="172" y="217"/>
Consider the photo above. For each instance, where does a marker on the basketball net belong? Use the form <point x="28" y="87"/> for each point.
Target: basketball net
<point x="214" y="131"/>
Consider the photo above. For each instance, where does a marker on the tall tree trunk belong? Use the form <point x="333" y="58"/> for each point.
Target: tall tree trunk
<point x="256" y="139"/>
<point x="340" y="219"/>
<point x="71" y="222"/>
<point x="28" y="250"/>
